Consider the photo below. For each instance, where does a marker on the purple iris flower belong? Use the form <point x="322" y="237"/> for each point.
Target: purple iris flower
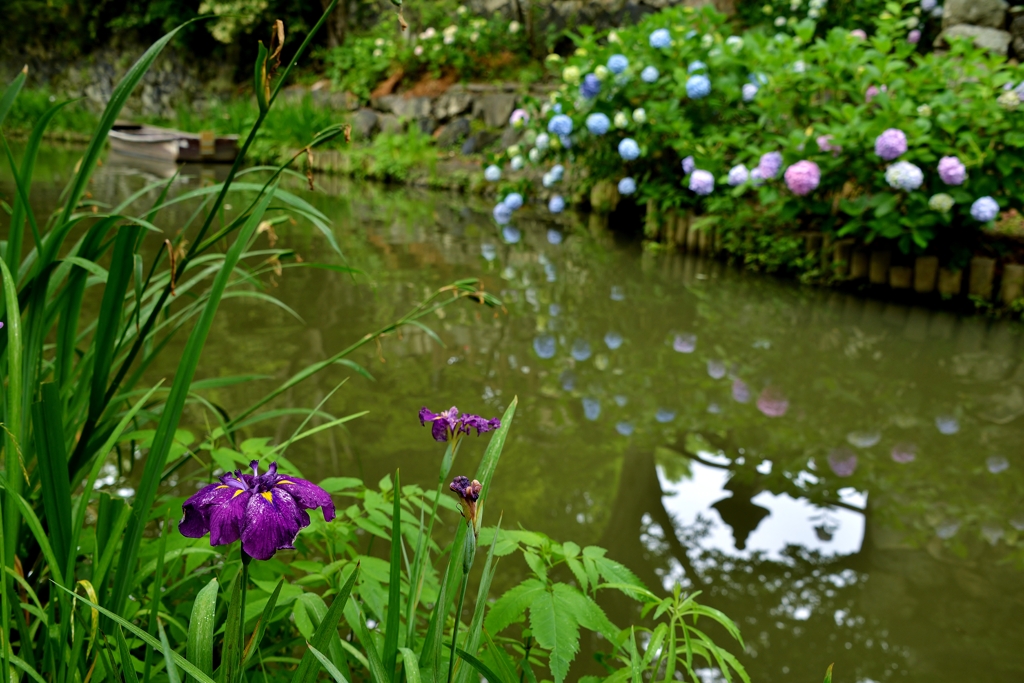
<point x="448" y="423"/>
<point x="469" y="492"/>
<point x="266" y="511"/>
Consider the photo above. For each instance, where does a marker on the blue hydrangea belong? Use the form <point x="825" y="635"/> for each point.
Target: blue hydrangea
<point x="749" y="92"/>
<point x="560" y="125"/>
<point x="660" y="38"/>
<point x="737" y="175"/>
<point x="548" y="180"/>
<point x="556" y="204"/>
<point x="618" y="63"/>
<point x="543" y="140"/>
<point x="511" y="234"/>
<point x="558" y="171"/>
<point x="502" y="213"/>
<point x="590" y="87"/>
<point x="696" y="65"/>
<point x="649" y="74"/>
<point x="513" y="200"/>
<point x="492" y="174"/>
<point x="517" y="162"/>
<point x="598" y="123"/>
<point x="566" y="142"/>
<point x="984" y="209"/>
<point x="698" y="87"/>
<point x="628" y="149"/>
<point x="690" y="34"/>
<point x="758" y="79"/>
<point x="627" y="186"/>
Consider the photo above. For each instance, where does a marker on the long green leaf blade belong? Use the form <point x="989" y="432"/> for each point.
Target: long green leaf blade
<point x="395" y="587"/>
<point x="306" y="672"/>
<point x="13" y="399"/>
<point x="11" y="93"/>
<point x="328" y="665"/>
<point x="52" y="460"/>
<point x="199" y="649"/>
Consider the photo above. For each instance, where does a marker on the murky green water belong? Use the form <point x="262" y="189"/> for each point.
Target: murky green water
<point x="843" y="477"/>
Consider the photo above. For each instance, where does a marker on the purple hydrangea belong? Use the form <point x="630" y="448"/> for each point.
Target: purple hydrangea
<point x="598" y="123"/>
<point x="952" y="171"/>
<point x="502" y="213"/>
<point x="618" y="63"/>
<point x="825" y="145"/>
<point x="698" y="87"/>
<point x="560" y="124"/>
<point x="265" y="511"/>
<point x="627" y="186"/>
<point x="689" y="164"/>
<point x="769" y="165"/>
<point x="904" y="175"/>
<point x="702" y="182"/>
<point x="556" y="204"/>
<point x="649" y="74"/>
<point x="590" y="87"/>
<point x="928" y="5"/>
<point x="914" y="37"/>
<point x="738" y="175"/>
<point x="628" y="149"/>
<point x="803" y="177"/>
<point x="749" y="92"/>
<point x="891" y="144"/>
<point x="660" y="38"/>
<point x="448" y="423"/>
<point x="513" y="200"/>
<point x="984" y="209"/>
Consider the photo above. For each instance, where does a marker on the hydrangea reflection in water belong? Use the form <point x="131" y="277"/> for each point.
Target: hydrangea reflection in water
<point x="560" y="124"/>
<point x="618" y="293"/>
<point x="740" y="391"/>
<point x="502" y="213"/>
<point x="997" y="464"/>
<point x="952" y="171"/>
<point x="488" y="251"/>
<point x="660" y="39"/>
<point x="613" y="340"/>
<point x="698" y="87"/>
<point x="947" y="424"/>
<point x="580" y="350"/>
<point x="772" y="403"/>
<point x="590" y="87"/>
<point x="591" y="409"/>
<point x="554" y="237"/>
<point x="649" y="75"/>
<point x="449" y="424"/>
<point x="904" y="175"/>
<point x="689" y="164"/>
<point x="568" y="380"/>
<point x="803" y="177"/>
<point x="545" y="346"/>
<point x="716" y="369"/>
<point x="624" y="428"/>
<point x="264" y="511"/>
<point x="702" y="182"/>
<point x="941" y="202"/>
<point x="628" y="149"/>
<point x="891" y="144"/>
<point x="864" y="439"/>
<point x="511" y="234"/>
<point x="904" y="453"/>
<point x="947" y="529"/>
<point x="513" y="200"/>
<point x="598" y="123"/>
<point x="492" y="174"/>
<point x="627" y="186"/>
<point x="749" y="91"/>
<point x="618" y="63"/>
<point x="738" y="175"/>
<point x="556" y="204"/>
<point x="685" y="343"/>
<point x="620" y="400"/>
<point x="842" y="461"/>
<point x="984" y="209"/>
<point x="664" y="415"/>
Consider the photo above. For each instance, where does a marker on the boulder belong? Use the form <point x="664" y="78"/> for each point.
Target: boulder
<point x="987" y="13"/>
<point x="453" y="133"/>
<point x="478" y="141"/>
<point x="345" y="101"/>
<point x="364" y="124"/>
<point x="427" y="124"/>
<point x="452" y="104"/>
<point x="1017" y="32"/>
<point x="509" y="137"/>
<point x="496" y="108"/>
<point x="989" y="38"/>
<point x="389" y="123"/>
<point x="403" y="107"/>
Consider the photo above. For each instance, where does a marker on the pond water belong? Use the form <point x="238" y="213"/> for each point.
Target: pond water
<point x="842" y="476"/>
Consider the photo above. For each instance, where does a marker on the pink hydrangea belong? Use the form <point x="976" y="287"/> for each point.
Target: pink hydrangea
<point x="952" y="171"/>
<point x="914" y="37"/>
<point x="891" y="144"/>
<point x="859" y="34"/>
<point x="873" y="91"/>
<point x="803" y="177"/>
<point x="825" y="145"/>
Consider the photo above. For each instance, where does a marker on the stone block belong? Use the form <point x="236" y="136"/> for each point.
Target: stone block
<point x="453" y="133"/>
<point x="986" y="13"/>
<point x="452" y="104"/>
<point x="496" y="108"/>
<point x="390" y="123"/>
<point x="364" y="124"/>
<point x="990" y="39"/>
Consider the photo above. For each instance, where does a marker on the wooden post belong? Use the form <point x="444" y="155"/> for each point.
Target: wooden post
<point x="1012" y="287"/>
<point x="692" y="238"/>
<point x="901" y="277"/>
<point x="826" y="253"/>
<point x="652" y="224"/>
<point x="950" y="281"/>
<point x="926" y="272"/>
<point x="841" y="257"/>
<point x="704" y="240"/>
<point x="812" y="244"/>
<point x="879" y="268"/>
<point x="859" y="264"/>
<point x="681" y="226"/>
<point x="983" y="273"/>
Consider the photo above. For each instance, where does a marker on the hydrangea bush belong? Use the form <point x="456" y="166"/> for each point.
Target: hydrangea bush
<point x="683" y="108"/>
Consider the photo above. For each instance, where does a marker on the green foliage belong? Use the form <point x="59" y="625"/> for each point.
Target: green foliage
<point x="811" y="92"/>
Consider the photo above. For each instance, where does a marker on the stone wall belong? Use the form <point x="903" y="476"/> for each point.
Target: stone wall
<point x="992" y="24"/>
<point x="600" y="13"/>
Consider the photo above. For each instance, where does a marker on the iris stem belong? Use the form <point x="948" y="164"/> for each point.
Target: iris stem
<point x="246" y="559"/>
<point x="455" y="628"/>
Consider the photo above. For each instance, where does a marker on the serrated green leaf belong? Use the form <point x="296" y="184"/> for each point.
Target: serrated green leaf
<point x="510" y="607"/>
<point x="556" y="630"/>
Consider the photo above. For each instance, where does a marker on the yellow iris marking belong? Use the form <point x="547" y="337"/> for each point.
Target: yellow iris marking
<point x="268" y="496"/>
<point x="285" y="481"/>
<point x="237" y="493"/>
<point x="223" y="486"/>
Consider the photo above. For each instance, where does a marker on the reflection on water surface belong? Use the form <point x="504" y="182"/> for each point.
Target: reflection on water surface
<point x="844" y="477"/>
